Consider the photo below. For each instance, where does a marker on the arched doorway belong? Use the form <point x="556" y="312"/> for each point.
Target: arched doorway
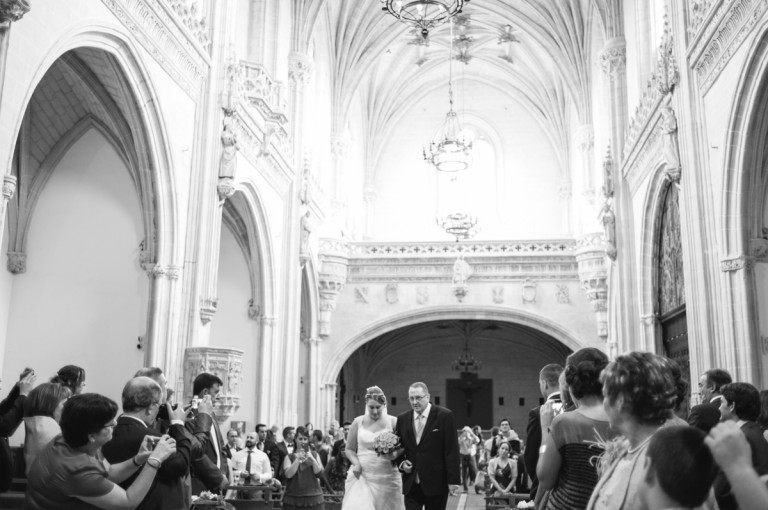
<point x="504" y="386"/>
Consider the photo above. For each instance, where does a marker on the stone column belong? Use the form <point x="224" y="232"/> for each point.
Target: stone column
<point x="313" y="382"/>
<point x="328" y="399"/>
<point x="593" y="275"/>
<point x="299" y="75"/>
<point x="10" y="11"/>
<point x="227" y="365"/>
<point x="334" y="256"/>
<point x="339" y="151"/>
<point x="369" y="198"/>
<point x="565" y="192"/>
<point x="584" y="139"/>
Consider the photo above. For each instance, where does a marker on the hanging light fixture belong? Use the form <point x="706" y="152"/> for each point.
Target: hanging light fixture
<point x="451" y="148"/>
<point x="459" y="225"/>
<point x="466" y="362"/>
<point x="424" y="14"/>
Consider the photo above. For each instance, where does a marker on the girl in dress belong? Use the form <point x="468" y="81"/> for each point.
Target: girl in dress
<point x="502" y="471"/>
<point x="302" y="491"/>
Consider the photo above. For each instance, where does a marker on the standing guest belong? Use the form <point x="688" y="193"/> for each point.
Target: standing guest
<point x="506" y="433"/>
<point x="71" y="376"/>
<point x="251" y="466"/>
<point x="565" y="394"/>
<point x="269" y="447"/>
<point x="337" y="468"/>
<point x="679" y="469"/>
<point x="467" y="450"/>
<point x="762" y="418"/>
<point x="233" y="443"/>
<point x="343" y="435"/>
<point x="210" y="471"/>
<point x="272" y="433"/>
<point x="141" y="403"/>
<point x="681" y="403"/>
<point x="740" y="402"/>
<point x="707" y="414"/>
<point x="565" y="467"/>
<point x="285" y="447"/>
<point x="639" y="395"/>
<point x="549" y="386"/>
<point x="502" y="471"/>
<point x="42" y="414"/>
<point x="318" y="445"/>
<point x="11" y="414"/>
<point x="301" y="468"/>
<point x="489" y="442"/>
<point x="70" y="473"/>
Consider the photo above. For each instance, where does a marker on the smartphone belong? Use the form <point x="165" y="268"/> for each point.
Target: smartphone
<point x="195" y="401"/>
<point x="153" y="442"/>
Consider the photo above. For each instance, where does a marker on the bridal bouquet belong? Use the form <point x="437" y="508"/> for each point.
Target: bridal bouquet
<point x="385" y="442"/>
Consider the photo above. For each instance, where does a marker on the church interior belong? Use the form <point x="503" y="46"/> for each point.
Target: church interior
<point x="310" y="197"/>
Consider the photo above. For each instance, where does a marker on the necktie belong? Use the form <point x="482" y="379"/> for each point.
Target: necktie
<point x="261" y="446"/>
<point x="248" y="462"/>
<point x="419" y="427"/>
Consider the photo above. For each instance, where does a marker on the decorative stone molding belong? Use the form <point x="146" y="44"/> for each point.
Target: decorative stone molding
<point x="173" y="272"/>
<point x="17" y="262"/>
<point x="650" y="319"/>
<point x="390" y="293"/>
<point x="254" y="311"/>
<point x="261" y="91"/>
<point x="585" y="138"/>
<point x="331" y="279"/>
<point x="339" y="145"/>
<point x="529" y="291"/>
<point x="208" y="307"/>
<point x="562" y="293"/>
<point x="565" y="191"/>
<point x="13" y="10"/>
<point x="158" y="271"/>
<point x="422" y="295"/>
<point x="361" y="295"/>
<point x="164" y="35"/>
<point x="737" y="264"/>
<point x="697" y="12"/>
<point x="498" y="295"/>
<point x="452" y="249"/>
<point x="613" y="58"/>
<point x="593" y="275"/>
<point x="299" y="68"/>
<point x="227" y="365"/>
<point x="369" y="195"/>
<point x="9" y="186"/>
<point x="666" y="74"/>
<point x="226" y="188"/>
<point x="726" y="30"/>
<point x="758" y="249"/>
<point x="186" y="10"/>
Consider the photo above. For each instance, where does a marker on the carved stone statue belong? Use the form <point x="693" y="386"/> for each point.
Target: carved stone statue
<point x="461" y="272"/>
<point x="671" y="148"/>
<point x="306" y="230"/>
<point x="608" y="219"/>
<point x="228" y="162"/>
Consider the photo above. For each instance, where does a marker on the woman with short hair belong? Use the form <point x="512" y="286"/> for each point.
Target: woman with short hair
<point x="639" y="395"/>
<point x="42" y="414"/>
<point x="70" y="473"/>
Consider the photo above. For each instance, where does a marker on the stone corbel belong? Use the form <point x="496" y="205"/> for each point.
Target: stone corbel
<point x="12" y="10"/>
<point x="9" y="186"/>
<point x="334" y="258"/>
<point x="593" y="275"/>
<point x="613" y="58"/>
<point x="17" y="262"/>
<point x="299" y="68"/>
<point x="270" y="130"/>
<point x="208" y="307"/>
<point x="225" y="188"/>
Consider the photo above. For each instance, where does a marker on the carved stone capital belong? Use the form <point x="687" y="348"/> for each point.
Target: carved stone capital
<point x="369" y="195"/>
<point x="9" y="186"/>
<point x="208" y="307"/>
<point x="565" y="191"/>
<point x="613" y="58"/>
<point x="224" y="363"/>
<point x="158" y="271"/>
<point x="13" y="10"/>
<point x="735" y="264"/>
<point x="339" y="145"/>
<point x="17" y="262"/>
<point x="299" y="68"/>
<point x="585" y="138"/>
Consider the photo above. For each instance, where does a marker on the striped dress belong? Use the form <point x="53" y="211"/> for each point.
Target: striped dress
<point x="574" y="435"/>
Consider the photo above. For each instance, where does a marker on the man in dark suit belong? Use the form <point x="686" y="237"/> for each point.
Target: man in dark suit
<point x="269" y="447"/>
<point x="430" y="461"/>
<point x="740" y="402"/>
<point x="707" y="414"/>
<point x="284" y="448"/>
<point x="142" y="399"/>
<point x="210" y="469"/>
<point x="549" y="385"/>
<point x="11" y="415"/>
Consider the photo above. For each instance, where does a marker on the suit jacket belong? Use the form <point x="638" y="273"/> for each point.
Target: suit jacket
<point x="436" y="457"/>
<point x="207" y="473"/>
<point x="705" y="416"/>
<point x="168" y="489"/>
<point x="533" y="443"/>
<point x="759" y="447"/>
<point x="273" y="452"/>
<point x="11" y="414"/>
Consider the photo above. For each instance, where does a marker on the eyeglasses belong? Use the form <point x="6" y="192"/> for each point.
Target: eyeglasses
<point x="416" y="398"/>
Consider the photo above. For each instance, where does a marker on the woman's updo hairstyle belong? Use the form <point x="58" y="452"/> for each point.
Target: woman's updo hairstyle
<point x="70" y="376"/>
<point x="376" y="394"/>
<point x="582" y="372"/>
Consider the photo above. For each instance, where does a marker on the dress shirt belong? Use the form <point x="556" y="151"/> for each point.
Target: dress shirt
<point x="423" y="416"/>
<point x="261" y="469"/>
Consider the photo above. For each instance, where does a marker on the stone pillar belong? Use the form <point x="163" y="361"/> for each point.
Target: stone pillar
<point x="593" y="275"/>
<point x="334" y="256"/>
<point x="369" y="198"/>
<point x="314" y="403"/>
<point x="339" y="151"/>
<point x="227" y="365"/>
<point x="9" y="189"/>
<point x="328" y="399"/>
<point x="10" y="11"/>
<point x="584" y="139"/>
<point x="565" y="192"/>
<point x="299" y="75"/>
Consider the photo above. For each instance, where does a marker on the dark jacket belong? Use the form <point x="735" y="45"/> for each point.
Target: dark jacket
<point x="705" y="416"/>
<point x="168" y="489"/>
<point x="273" y="452"/>
<point x="436" y="457"/>
<point x="206" y="474"/>
<point x="533" y="443"/>
<point x="754" y="434"/>
<point x="11" y="415"/>
<point x="282" y="453"/>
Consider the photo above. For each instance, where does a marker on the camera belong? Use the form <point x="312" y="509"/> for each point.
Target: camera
<point x="196" y="401"/>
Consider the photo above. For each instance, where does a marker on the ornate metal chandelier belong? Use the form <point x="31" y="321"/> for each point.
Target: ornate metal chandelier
<point x="424" y="14"/>
<point x="450" y="149"/>
<point x="466" y="362"/>
<point x="459" y="225"/>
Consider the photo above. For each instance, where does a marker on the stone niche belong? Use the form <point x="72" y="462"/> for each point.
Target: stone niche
<point x="227" y="365"/>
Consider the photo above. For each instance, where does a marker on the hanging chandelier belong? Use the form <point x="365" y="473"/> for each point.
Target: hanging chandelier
<point x="451" y="148"/>
<point x="459" y="225"/>
<point x="424" y="14"/>
<point x="466" y="362"/>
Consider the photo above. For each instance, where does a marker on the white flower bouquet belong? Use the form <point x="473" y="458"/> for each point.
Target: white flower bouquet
<point x="386" y="442"/>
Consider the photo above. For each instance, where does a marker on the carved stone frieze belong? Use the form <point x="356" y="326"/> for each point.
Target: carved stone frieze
<point x="299" y="68"/>
<point x="17" y="262"/>
<point x="390" y="293"/>
<point x="498" y="295"/>
<point x="361" y="294"/>
<point x="227" y="365"/>
<point x="737" y="263"/>
<point x="208" y="307"/>
<point x="562" y="293"/>
<point x="13" y="10"/>
<point x="422" y="295"/>
<point x="529" y="291"/>
<point x="9" y="186"/>
<point x="697" y="12"/>
<point x="167" y="39"/>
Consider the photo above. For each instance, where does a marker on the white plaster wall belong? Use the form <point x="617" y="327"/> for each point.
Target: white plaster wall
<point x="406" y="202"/>
<point x="231" y="326"/>
<point x="83" y="299"/>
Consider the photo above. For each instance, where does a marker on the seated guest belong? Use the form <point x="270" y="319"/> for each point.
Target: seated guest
<point x="762" y="418"/>
<point x="502" y="471"/>
<point x="11" y="414"/>
<point x="639" y="395"/>
<point x="269" y="447"/>
<point x="141" y="403"/>
<point x="565" y="465"/>
<point x="506" y="434"/>
<point x="71" y="376"/>
<point x="319" y="446"/>
<point x="42" y="414"/>
<point x="707" y="414"/>
<point x="679" y="469"/>
<point x="301" y="468"/>
<point x="740" y="402"/>
<point x="731" y="451"/>
<point x="70" y="472"/>
<point x="337" y="468"/>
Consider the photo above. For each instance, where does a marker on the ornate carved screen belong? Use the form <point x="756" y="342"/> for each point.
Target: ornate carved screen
<point x="671" y="284"/>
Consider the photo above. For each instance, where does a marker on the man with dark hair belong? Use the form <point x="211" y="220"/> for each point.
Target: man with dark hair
<point x="142" y="399"/>
<point x="679" y="469"/>
<point x="285" y="448"/>
<point x="707" y="414"/>
<point x="269" y="447"/>
<point x="740" y="402"/>
<point x="210" y="471"/>
<point x="549" y="385"/>
<point x="345" y="433"/>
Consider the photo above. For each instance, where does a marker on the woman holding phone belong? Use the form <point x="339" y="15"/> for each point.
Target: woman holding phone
<point x="300" y="469"/>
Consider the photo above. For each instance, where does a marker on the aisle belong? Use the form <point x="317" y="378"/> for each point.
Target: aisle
<point x="473" y="502"/>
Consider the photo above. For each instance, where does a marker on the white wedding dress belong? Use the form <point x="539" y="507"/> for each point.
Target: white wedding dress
<point x="380" y="486"/>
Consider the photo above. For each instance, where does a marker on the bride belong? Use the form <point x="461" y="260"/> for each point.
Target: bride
<point x="373" y="483"/>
